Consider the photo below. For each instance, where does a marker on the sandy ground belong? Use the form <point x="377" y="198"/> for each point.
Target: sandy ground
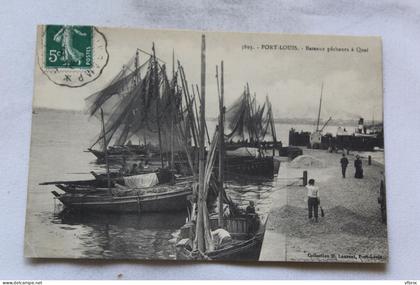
<point x="351" y="230"/>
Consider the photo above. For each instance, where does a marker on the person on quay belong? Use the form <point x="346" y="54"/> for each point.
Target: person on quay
<point x="250" y="209"/>
<point x="251" y="217"/>
<point x="358" y="168"/>
<point x="134" y="169"/>
<point x="313" y="199"/>
<point x="124" y="170"/>
<point x="344" y="162"/>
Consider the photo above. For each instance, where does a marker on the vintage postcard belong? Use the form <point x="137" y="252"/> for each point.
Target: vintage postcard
<point x="188" y="145"/>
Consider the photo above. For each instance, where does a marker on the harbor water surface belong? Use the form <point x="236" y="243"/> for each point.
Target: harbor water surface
<point x="58" y="143"/>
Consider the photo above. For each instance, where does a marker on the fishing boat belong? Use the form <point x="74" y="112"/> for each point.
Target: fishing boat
<point x="160" y="198"/>
<point x="245" y="244"/>
<point x="251" y="166"/>
<point x="118" y="152"/>
<point x="140" y="108"/>
<point x="163" y="176"/>
<point x="133" y="106"/>
<point x="217" y="237"/>
<point x="248" y="152"/>
<point x="129" y="194"/>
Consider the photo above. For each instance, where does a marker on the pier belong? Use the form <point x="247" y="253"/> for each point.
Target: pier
<point x="352" y="223"/>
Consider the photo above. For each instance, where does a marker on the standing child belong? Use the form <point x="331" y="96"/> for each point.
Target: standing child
<point x="313" y="199"/>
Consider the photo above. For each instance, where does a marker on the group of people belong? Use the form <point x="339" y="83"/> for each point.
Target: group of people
<point x="357" y="166"/>
<point x="135" y="168"/>
<point x="256" y="143"/>
<point x="313" y="191"/>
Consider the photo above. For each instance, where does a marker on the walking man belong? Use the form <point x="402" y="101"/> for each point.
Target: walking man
<point x="344" y="162"/>
<point x="313" y="199"/>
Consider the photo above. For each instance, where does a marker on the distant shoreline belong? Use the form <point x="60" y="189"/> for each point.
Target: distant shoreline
<point x="45" y="109"/>
<point x="299" y="121"/>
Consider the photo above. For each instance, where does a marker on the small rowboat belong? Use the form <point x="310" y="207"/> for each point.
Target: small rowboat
<point x="247" y="233"/>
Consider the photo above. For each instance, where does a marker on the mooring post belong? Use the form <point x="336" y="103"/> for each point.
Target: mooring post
<point x="369" y="160"/>
<point x="305" y="177"/>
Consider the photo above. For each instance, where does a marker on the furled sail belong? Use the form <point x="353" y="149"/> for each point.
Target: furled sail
<point x="135" y="105"/>
<point x="247" y="120"/>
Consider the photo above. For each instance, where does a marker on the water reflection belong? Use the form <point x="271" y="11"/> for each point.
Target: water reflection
<point x="245" y="189"/>
<point x="146" y="236"/>
<point x="149" y="235"/>
<point x="64" y="136"/>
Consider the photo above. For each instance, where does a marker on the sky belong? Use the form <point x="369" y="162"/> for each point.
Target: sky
<point x="291" y="78"/>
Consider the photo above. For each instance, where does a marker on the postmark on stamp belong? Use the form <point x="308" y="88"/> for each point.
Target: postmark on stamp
<point x="72" y="56"/>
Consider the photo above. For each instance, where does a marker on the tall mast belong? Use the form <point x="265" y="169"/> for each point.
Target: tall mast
<point x="221" y="147"/>
<point x="248" y="109"/>
<point x="319" y="110"/>
<point x="172" y="109"/>
<point x="156" y="90"/>
<point x="136" y="80"/>
<point x="198" y="93"/>
<point x="272" y="125"/>
<point x="136" y="65"/>
<point x="106" y="153"/>
<point x="200" y="217"/>
<point x="173" y="64"/>
<point x="139" y="76"/>
<point x="190" y="112"/>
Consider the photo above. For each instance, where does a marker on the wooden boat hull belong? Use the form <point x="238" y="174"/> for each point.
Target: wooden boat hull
<point x="159" y="202"/>
<point x="119" y="152"/>
<point x="245" y="249"/>
<point x="251" y="166"/>
<point x="248" y="250"/>
<point x="100" y="184"/>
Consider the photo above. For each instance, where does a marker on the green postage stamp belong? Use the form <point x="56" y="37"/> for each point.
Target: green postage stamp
<point x="72" y="56"/>
<point x="68" y="46"/>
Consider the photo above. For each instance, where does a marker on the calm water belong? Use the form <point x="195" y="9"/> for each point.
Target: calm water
<point x="57" y="153"/>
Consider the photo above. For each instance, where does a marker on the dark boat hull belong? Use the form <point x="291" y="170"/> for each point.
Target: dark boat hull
<point x="357" y="143"/>
<point x="117" y="156"/>
<point x="100" y="184"/>
<point x="245" y="249"/>
<point x="351" y="142"/>
<point x="121" y="151"/>
<point x="251" y="166"/>
<point x="248" y="250"/>
<point x="243" y="165"/>
<point x="159" y="202"/>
